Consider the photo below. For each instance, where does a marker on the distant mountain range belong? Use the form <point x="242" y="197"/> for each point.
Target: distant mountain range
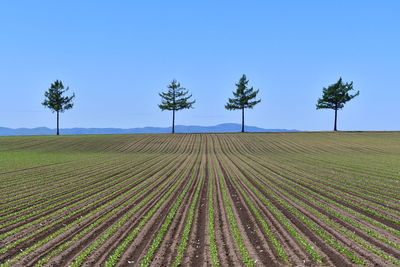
<point x="220" y="128"/>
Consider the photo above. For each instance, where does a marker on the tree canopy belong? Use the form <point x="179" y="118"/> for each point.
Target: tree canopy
<point x="56" y="101"/>
<point x="175" y="99"/>
<point x="244" y="97"/>
<point x="335" y="96"/>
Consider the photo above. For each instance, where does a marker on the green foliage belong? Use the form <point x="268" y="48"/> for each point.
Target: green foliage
<point x="283" y="219"/>
<point x="176" y="98"/>
<point x="211" y="222"/>
<point x="306" y="193"/>
<point x="336" y="95"/>
<point x="271" y="236"/>
<point x="294" y="195"/>
<point x="189" y="222"/>
<point x="55" y="99"/>
<point x="243" y="96"/>
<point x="165" y="226"/>
<point x="247" y="260"/>
<point x="116" y="255"/>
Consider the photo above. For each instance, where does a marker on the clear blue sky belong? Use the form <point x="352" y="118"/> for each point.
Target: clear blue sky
<point x="117" y="55"/>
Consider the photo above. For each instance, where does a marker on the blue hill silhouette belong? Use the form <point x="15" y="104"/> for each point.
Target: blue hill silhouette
<point x="220" y="128"/>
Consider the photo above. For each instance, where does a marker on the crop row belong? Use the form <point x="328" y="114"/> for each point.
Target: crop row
<point x="218" y="199"/>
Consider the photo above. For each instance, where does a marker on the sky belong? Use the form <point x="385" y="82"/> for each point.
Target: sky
<point x="116" y="56"/>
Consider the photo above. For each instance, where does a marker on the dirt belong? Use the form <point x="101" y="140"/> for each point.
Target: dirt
<point x="239" y="157"/>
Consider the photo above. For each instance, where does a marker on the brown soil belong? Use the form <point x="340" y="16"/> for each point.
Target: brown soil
<point x="167" y="158"/>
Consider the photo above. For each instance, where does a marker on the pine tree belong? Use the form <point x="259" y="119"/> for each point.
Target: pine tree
<point x="175" y="99"/>
<point x="56" y="101"/>
<point x="335" y="96"/>
<point x="243" y="98"/>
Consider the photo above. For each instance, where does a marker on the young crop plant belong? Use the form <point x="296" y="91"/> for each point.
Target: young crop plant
<point x="288" y="225"/>
<point x="283" y="199"/>
<point x="355" y="259"/>
<point x="330" y="210"/>
<point x="327" y="238"/>
<point x="247" y="260"/>
<point x="332" y="224"/>
<point x="341" y="216"/>
<point x="348" y="199"/>
<point x="189" y="222"/>
<point x="319" y="197"/>
<point x="74" y="195"/>
<point x="65" y="228"/>
<point x="121" y="206"/>
<point x="115" y="256"/>
<point x="81" y="219"/>
<point x="72" y="206"/>
<point x="278" y="214"/>
<point x="347" y="233"/>
<point x="81" y="257"/>
<point x="271" y="237"/>
<point x="165" y="226"/>
<point x="356" y="193"/>
<point x="211" y="220"/>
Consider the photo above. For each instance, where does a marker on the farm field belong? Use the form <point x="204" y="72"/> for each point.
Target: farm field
<point x="253" y="199"/>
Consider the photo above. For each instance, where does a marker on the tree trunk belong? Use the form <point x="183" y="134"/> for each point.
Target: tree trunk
<point x="173" y="121"/>
<point x="242" y="120"/>
<point x="58" y="123"/>
<point x="335" y="125"/>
